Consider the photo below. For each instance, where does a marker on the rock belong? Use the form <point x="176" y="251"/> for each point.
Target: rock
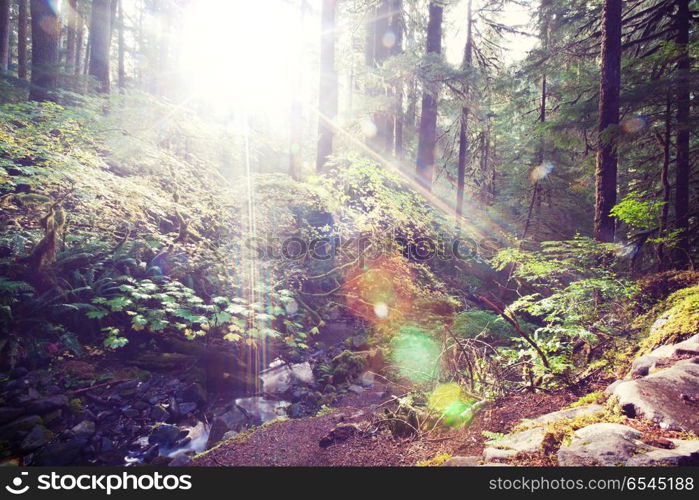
<point x="85" y="429"/>
<point x="194" y="393"/>
<point x="580" y="411"/>
<point x="19" y="428"/>
<point x="128" y="388"/>
<point x="472" y="461"/>
<point x="261" y="410"/>
<point x="644" y="365"/>
<point x="187" y="408"/>
<point x="232" y="420"/>
<point x="60" y="454"/>
<point x="341" y="432"/>
<point x="659" y="396"/>
<point x="529" y="441"/>
<point x="45" y="405"/>
<point x="18" y="372"/>
<point x="301" y="373"/>
<point x="106" y="445"/>
<point x="366" y="379"/>
<point x="295" y="410"/>
<point x="130" y="412"/>
<point x="229" y="435"/>
<point x="600" y="444"/>
<point x="614" y="444"/>
<point x="279" y="377"/>
<point x="150" y="453"/>
<point x="356" y="389"/>
<point x="159" y="414"/>
<point x="104" y="415"/>
<point x="164" y="435"/>
<point x="8" y="414"/>
<point x="36" y="438"/>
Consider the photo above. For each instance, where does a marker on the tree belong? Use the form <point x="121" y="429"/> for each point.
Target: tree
<point x="71" y="35"/>
<point x="22" y="25"/>
<point x="100" y="40"/>
<point x="463" y="128"/>
<point x="397" y="28"/>
<point x="327" y="102"/>
<point x="610" y="83"/>
<point x="428" y="119"/>
<point x="4" y="34"/>
<point x="46" y="30"/>
<point x="683" y="126"/>
<point x="122" y="47"/>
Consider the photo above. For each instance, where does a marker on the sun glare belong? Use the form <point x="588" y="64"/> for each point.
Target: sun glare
<point x="245" y="55"/>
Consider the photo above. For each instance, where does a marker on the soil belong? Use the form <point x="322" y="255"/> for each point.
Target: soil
<point x="296" y="442"/>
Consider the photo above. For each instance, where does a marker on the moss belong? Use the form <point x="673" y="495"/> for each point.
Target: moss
<point x="679" y="321"/>
<point x="435" y="461"/>
<point x="75" y="406"/>
<point x="346" y="366"/>
<point x="597" y="397"/>
<point x="560" y="432"/>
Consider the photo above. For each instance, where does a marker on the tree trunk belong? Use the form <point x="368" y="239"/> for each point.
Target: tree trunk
<point x="100" y="35"/>
<point x="665" y="181"/>
<point x="72" y="28"/>
<point x="683" y="126"/>
<point x="4" y="35"/>
<point x="327" y="102"/>
<point x="22" y="25"/>
<point x="397" y="27"/>
<point x="122" y="48"/>
<point x="463" y="129"/>
<point x="428" y="119"/>
<point x="79" y="36"/>
<point x="610" y="83"/>
<point x="46" y="30"/>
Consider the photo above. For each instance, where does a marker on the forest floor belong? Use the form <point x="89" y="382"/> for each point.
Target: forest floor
<point x="296" y="442"/>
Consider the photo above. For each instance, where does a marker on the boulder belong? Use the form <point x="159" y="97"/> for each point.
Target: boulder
<point x="233" y="420"/>
<point x="260" y="410"/>
<point x="37" y="437"/>
<point x="669" y="397"/>
<point x="341" y="432"/>
<point x="8" y="414"/>
<point x="60" y="454"/>
<point x="644" y="365"/>
<point x="607" y="444"/>
<point x="164" y="435"/>
<point x="528" y="441"/>
<point x="45" y="405"/>
<point x="194" y="393"/>
<point x="279" y="377"/>
<point x="581" y="411"/>
<point x="19" y="428"/>
<point x="85" y="429"/>
<point x="158" y="413"/>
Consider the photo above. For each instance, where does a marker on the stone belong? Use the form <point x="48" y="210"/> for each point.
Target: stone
<point x="19" y="428"/>
<point x="356" y="389"/>
<point x="159" y="414"/>
<point x="279" y="377"/>
<point x="528" y="441"/>
<point x="45" y="405"/>
<point x="106" y="445"/>
<point x="164" y="435"/>
<point x="644" y="365"/>
<point x="229" y="435"/>
<point x="187" y="408"/>
<point x="366" y="379"/>
<point x="85" y="429"/>
<point x="232" y="420"/>
<point x="130" y="412"/>
<point x="667" y="397"/>
<point x="472" y="461"/>
<point x="261" y="410"/>
<point x="601" y="444"/>
<point x="607" y="444"/>
<point x="581" y="411"/>
<point x="194" y="393"/>
<point x="302" y="373"/>
<point x="8" y="414"/>
<point x="36" y="438"/>
<point x="60" y="454"/>
<point x="341" y="432"/>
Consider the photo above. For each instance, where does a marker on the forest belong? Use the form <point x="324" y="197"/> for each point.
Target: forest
<point x="349" y="233"/>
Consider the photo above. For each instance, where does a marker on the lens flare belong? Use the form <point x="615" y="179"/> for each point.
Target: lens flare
<point x="542" y="171"/>
<point x="381" y="310"/>
<point x="368" y="128"/>
<point x="389" y="39"/>
<point x="415" y="354"/>
<point x="634" y="124"/>
<point x="451" y="403"/>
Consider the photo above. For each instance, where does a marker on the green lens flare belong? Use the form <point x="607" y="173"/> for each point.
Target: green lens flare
<point x="416" y="355"/>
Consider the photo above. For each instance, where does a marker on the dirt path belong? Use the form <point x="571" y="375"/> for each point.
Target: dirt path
<point x="296" y="442"/>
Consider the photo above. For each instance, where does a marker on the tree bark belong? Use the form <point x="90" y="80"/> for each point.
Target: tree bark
<point x="428" y="119"/>
<point x="22" y="33"/>
<point x="79" y="36"/>
<point x="100" y="36"/>
<point x="46" y="30"/>
<point x="610" y="83"/>
<point x="397" y="27"/>
<point x="327" y="102"/>
<point x="71" y="35"/>
<point x="122" y="47"/>
<point x="683" y="126"/>
<point x="463" y="129"/>
<point x="4" y="35"/>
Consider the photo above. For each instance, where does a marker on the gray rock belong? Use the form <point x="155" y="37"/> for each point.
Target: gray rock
<point x="19" y="428"/>
<point x="164" y="435"/>
<point x="36" y="438"/>
<point x="45" y="405"/>
<point x="608" y="444"/>
<point x="194" y="393"/>
<point x="279" y="377"/>
<point x="366" y="379"/>
<point x="528" y="441"/>
<point x="85" y="429"/>
<point x="580" y="411"/>
<point x="462" y="462"/>
<point x="357" y="389"/>
<point x="262" y="410"/>
<point x="229" y="435"/>
<point x="643" y="365"/>
<point x="8" y="414"/>
<point x="60" y="454"/>
<point x="667" y="397"/>
<point x="601" y="444"/>
<point x="159" y="414"/>
<point x="187" y="408"/>
<point x="233" y="420"/>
